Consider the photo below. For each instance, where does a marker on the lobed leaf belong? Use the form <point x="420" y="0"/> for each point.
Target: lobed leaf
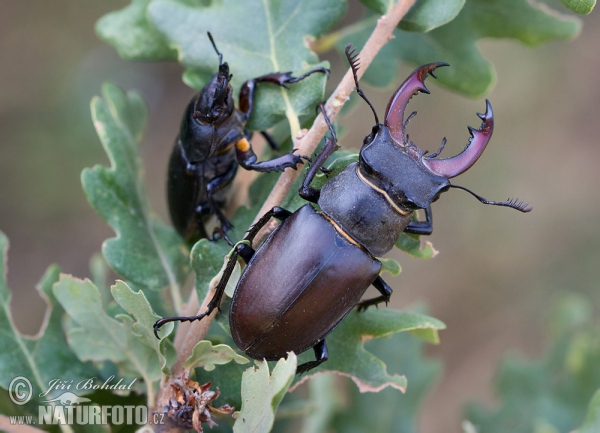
<point x="95" y="336"/>
<point x="347" y="353"/>
<point x="455" y="42"/>
<point x="261" y="394"/>
<point x="136" y="304"/>
<point x="206" y="356"/>
<point x="145" y="251"/>
<point x="255" y="38"/>
<point x="388" y="410"/>
<point x="132" y="35"/>
<point x="45" y="356"/>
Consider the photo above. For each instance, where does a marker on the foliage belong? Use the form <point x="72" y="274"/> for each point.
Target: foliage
<point x="93" y="331"/>
<point x="552" y="393"/>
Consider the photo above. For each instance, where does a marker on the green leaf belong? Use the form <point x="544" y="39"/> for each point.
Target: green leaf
<point x="427" y="15"/>
<point x="347" y="353"/>
<point x="206" y="356"/>
<point x="207" y="261"/>
<point x="389" y="410"/>
<point x="411" y="244"/>
<point x="134" y="37"/>
<point x="95" y="336"/>
<point x="136" y="304"/>
<point x="255" y="38"/>
<point x="44" y="357"/>
<point x="583" y="7"/>
<point x="326" y="399"/>
<point x="424" y="16"/>
<point x="550" y="393"/>
<point x="456" y="41"/>
<point x="591" y="423"/>
<point x="391" y="266"/>
<point x="145" y="251"/>
<point x="262" y="393"/>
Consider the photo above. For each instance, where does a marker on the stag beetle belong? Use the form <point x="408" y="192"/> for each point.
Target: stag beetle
<point x="211" y="143"/>
<point x="315" y="266"/>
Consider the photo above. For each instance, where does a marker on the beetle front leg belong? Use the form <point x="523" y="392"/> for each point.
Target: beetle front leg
<point x="276" y="212"/>
<point x="246" y="251"/>
<point x="248" y="159"/>
<point x="306" y="191"/>
<point x="322" y="355"/>
<point x="421" y="227"/>
<point x="384" y="289"/>
<point x="214" y="302"/>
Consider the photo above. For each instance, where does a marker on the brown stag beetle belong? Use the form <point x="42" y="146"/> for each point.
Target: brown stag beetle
<point x="211" y="143"/>
<point x="315" y="266"/>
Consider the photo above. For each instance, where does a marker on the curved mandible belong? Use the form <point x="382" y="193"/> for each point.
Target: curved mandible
<point x="394" y="113"/>
<point x="451" y="167"/>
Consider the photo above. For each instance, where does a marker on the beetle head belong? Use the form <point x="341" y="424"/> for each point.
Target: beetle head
<point x="399" y="171"/>
<point x="410" y="176"/>
<point x="215" y="101"/>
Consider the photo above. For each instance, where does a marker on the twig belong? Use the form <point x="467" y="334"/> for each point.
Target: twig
<point x="307" y="143"/>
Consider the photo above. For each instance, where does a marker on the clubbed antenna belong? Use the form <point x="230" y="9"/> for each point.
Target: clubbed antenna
<point x="212" y="41"/>
<point x="354" y="65"/>
<point x="521" y="206"/>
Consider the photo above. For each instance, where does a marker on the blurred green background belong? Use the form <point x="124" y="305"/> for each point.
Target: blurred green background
<point x="498" y="271"/>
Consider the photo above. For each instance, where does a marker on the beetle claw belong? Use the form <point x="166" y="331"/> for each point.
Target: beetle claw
<point x="451" y="167"/>
<point x="415" y="83"/>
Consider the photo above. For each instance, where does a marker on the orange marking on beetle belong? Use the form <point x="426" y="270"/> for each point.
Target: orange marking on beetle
<point x="243" y="145"/>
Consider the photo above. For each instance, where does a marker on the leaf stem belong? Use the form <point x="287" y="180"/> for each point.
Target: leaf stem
<point x="307" y="143"/>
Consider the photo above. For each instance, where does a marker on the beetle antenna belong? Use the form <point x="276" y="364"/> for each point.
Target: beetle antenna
<point x="212" y="41"/>
<point x="354" y="65"/>
<point x="513" y="203"/>
<point x="328" y="121"/>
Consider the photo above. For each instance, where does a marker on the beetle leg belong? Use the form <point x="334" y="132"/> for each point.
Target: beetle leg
<point x="421" y="227"/>
<point x="384" y="289"/>
<point x="306" y="191"/>
<point x="248" y="159"/>
<point x="216" y="185"/>
<point x="321" y="353"/>
<point x="276" y="212"/>
<point x="243" y="250"/>
<point x="245" y="155"/>
<point x="214" y="302"/>
<point x="279" y="78"/>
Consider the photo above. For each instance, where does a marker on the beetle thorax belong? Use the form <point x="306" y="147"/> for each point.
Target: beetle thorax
<point x="399" y="172"/>
<point x="363" y="213"/>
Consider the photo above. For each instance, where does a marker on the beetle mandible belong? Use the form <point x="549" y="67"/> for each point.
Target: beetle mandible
<point x="211" y="143"/>
<point x="315" y="266"/>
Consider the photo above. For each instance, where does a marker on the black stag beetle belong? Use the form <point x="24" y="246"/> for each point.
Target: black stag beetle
<point x="212" y="142"/>
<point x="315" y="266"/>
